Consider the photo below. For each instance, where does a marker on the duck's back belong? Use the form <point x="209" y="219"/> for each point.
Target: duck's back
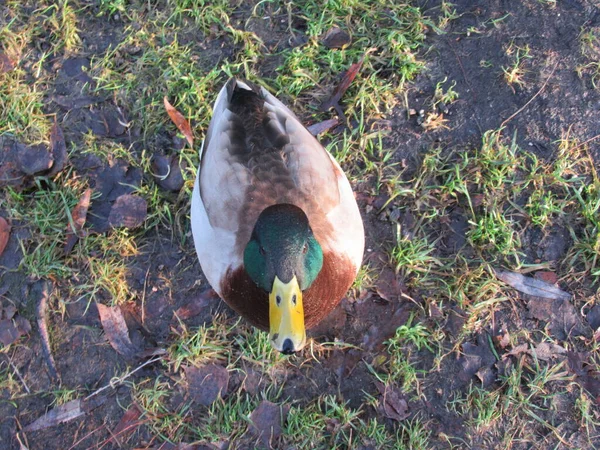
<point x="256" y="154"/>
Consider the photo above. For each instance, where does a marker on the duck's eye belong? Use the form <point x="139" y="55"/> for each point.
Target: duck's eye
<point x="262" y="250"/>
<point x="305" y="249"/>
<point x="278" y="300"/>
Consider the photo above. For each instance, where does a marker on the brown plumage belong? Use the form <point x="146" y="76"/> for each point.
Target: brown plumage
<point x="257" y="154"/>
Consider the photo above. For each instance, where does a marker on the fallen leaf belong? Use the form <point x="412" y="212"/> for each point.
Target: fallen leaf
<point x="335" y="37"/>
<point x="115" y="329"/>
<point x="579" y="365"/>
<point x="519" y="349"/>
<point x="180" y="122"/>
<point x="548" y="277"/>
<point x="167" y="171"/>
<point x="128" y="211"/>
<point x="319" y="128"/>
<point x="252" y="381"/>
<point x="4" y="234"/>
<point x="266" y="422"/>
<point x="531" y="286"/>
<point x="388" y="286"/>
<point x="6" y="65"/>
<point x="59" y="150"/>
<point x="109" y="181"/>
<point x="42" y="290"/>
<point x="547" y="351"/>
<point x="544" y="351"/>
<point x="378" y="333"/>
<point x="34" y="159"/>
<point x="63" y="413"/>
<point x="593" y="316"/>
<point x="127" y="425"/>
<point x="392" y="403"/>
<point x="12" y="329"/>
<point x="475" y="358"/>
<point x="78" y="215"/>
<point x="486" y="376"/>
<point x="435" y="312"/>
<point x="196" y="304"/>
<point x="341" y="88"/>
<point x="563" y="318"/>
<point x="78" y="102"/>
<point x="207" y="383"/>
<point x="8" y="312"/>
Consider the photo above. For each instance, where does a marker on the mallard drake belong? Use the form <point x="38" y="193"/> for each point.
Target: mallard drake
<point x="276" y="227"/>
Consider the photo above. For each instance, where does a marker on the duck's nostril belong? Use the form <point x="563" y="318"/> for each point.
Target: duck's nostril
<point x="288" y="347"/>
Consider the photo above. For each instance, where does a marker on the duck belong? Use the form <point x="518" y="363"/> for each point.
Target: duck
<point x="276" y="227"/>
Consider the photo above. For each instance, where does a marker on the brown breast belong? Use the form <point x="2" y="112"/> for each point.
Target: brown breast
<point x="251" y="302"/>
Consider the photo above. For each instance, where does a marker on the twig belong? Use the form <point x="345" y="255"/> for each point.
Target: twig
<point x="593" y="138"/>
<point x="145" y="287"/>
<point x="119" y="380"/>
<point x="531" y="99"/>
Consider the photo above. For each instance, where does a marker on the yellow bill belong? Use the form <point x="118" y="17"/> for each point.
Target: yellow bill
<point x="286" y="317"/>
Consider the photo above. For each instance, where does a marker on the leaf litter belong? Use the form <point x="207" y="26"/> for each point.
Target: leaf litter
<point x="64" y="413"/>
<point x="116" y="331"/>
<point x="78" y="215"/>
<point x="334" y="100"/>
<point x="12" y="326"/>
<point x="168" y="172"/>
<point x="531" y="286"/>
<point x="129" y="211"/>
<point x="58" y="149"/>
<point x="207" y="383"/>
<point x="392" y="403"/>
<point x="127" y="425"/>
<point x="180" y="122"/>
<point x="267" y="420"/>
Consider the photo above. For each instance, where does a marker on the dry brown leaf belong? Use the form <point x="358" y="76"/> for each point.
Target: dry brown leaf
<point x="196" y="304"/>
<point x="63" y="413"/>
<point x="521" y="348"/>
<point x="12" y="329"/>
<point x="531" y="286"/>
<point x="128" y="211"/>
<point x="266" y="422"/>
<point x="116" y="330"/>
<point x="79" y="215"/>
<point x="547" y="351"/>
<point x="319" y="128"/>
<point x="4" y="234"/>
<point x="127" y="425"/>
<point x="392" y="403"/>
<point x="341" y="88"/>
<point x="207" y="383"/>
<point x="179" y="121"/>
<point x="59" y="150"/>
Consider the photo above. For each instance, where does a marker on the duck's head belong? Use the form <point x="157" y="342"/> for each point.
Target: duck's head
<point x="284" y="258"/>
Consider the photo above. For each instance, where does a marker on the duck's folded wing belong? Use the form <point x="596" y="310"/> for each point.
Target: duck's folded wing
<point x="257" y="151"/>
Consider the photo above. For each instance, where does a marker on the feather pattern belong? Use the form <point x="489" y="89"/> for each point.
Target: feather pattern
<point x="257" y="154"/>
